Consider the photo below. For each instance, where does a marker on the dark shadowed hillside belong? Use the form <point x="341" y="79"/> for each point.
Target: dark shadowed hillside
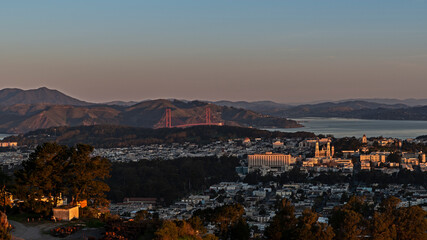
<point x="121" y="136"/>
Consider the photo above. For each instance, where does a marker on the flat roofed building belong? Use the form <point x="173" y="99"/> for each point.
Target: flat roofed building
<point x="66" y="213"/>
<point x="272" y="160"/>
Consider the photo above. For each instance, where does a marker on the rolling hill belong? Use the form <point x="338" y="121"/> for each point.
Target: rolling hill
<point x="43" y="95"/>
<point x="21" y="118"/>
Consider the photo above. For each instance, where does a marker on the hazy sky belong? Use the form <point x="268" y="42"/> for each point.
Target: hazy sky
<point x="281" y="50"/>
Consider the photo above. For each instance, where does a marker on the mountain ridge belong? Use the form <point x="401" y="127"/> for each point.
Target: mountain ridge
<point x="27" y="110"/>
<point x="22" y="118"/>
<point x="12" y="96"/>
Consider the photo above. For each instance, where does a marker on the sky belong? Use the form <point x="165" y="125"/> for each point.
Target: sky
<point x="281" y="50"/>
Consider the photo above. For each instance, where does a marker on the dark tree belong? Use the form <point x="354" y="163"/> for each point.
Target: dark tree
<point x="4" y="227"/>
<point x="86" y="175"/>
<point x="283" y="224"/>
<point x="309" y="228"/>
<point x="41" y="178"/>
<point x="55" y="169"/>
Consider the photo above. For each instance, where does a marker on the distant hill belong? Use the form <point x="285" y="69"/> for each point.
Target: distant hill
<point x="411" y="102"/>
<point x="12" y="96"/>
<point x="349" y="109"/>
<point x="266" y="107"/>
<point x="121" y="103"/>
<point x="343" y="109"/>
<point x="26" y="110"/>
<point x="123" y="136"/>
<point x="21" y="118"/>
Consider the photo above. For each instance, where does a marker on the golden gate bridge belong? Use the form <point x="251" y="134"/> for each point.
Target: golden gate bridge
<point x="167" y="118"/>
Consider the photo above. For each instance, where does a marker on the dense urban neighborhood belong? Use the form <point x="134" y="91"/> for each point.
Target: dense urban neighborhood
<point x="320" y="174"/>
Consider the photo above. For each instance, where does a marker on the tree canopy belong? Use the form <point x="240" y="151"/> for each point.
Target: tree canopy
<point x="54" y="170"/>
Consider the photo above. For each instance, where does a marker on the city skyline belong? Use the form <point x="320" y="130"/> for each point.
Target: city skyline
<point x="284" y="51"/>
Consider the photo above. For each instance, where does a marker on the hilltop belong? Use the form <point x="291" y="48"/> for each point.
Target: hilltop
<point x="43" y="95"/>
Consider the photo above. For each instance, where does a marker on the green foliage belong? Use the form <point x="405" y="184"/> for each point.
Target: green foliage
<point x="308" y="227"/>
<point x="53" y="169"/>
<point x="283" y="223"/>
<point x="348" y="220"/>
<point x="228" y="220"/>
<point x="346" y="223"/>
<point x="369" y="177"/>
<point x="228" y="217"/>
<point x="286" y="226"/>
<point x="172" y="230"/>
<point x="42" y="174"/>
<point x="142" y="215"/>
<point x="394" y="158"/>
<point x="355" y="219"/>
<point x="411" y="223"/>
<point x="171" y="179"/>
<point x="197" y="224"/>
<point x="347" y="143"/>
<point x="240" y="230"/>
<point x="391" y="222"/>
<point x="94" y="223"/>
<point x="86" y="174"/>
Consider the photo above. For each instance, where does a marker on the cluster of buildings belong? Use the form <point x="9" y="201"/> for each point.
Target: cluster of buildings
<point x="233" y="147"/>
<point x="8" y="144"/>
<point x="259" y="200"/>
<point x="325" y="160"/>
<point x="272" y="156"/>
<point x="12" y="159"/>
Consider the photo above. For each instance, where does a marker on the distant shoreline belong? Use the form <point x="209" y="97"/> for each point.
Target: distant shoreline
<point x="4" y="135"/>
<point x="348" y="127"/>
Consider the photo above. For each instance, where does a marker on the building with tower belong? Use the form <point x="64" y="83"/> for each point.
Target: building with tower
<point x="327" y="152"/>
<point x="364" y="139"/>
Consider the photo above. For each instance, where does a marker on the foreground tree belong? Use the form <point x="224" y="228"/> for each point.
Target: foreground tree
<point x="86" y="174"/>
<point x="383" y="222"/>
<point x="349" y="221"/>
<point x="411" y="223"/>
<point x="5" y="196"/>
<point x="172" y="230"/>
<point x="286" y="226"/>
<point x="283" y="224"/>
<point x="41" y="179"/>
<point x="53" y="169"/>
<point x="308" y="227"/>
<point x="227" y="217"/>
<point x="4" y="227"/>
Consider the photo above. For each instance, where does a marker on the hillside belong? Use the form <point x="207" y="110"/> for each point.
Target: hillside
<point x="266" y="107"/>
<point x="348" y="109"/>
<point x="342" y="109"/>
<point x="21" y="118"/>
<point x="122" y="136"/>
<point x="12" y="96"/>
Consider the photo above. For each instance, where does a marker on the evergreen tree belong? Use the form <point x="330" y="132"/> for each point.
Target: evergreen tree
<point x="52" y="170"/>
<point x="309" y="228"/>
<point x="86" y="175"/>
<point x="283" y="224"/>
<point x="41" y="179"/>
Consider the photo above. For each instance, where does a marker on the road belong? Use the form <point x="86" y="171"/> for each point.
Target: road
<point x="27" y="232"/>
<point x="36" y="232"/>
